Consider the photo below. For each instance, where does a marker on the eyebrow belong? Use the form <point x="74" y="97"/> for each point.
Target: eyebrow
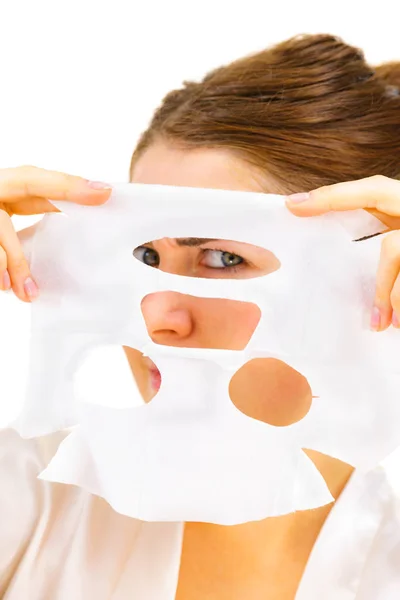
<point x="193" y="242"/>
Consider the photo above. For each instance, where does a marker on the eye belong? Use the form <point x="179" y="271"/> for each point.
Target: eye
<point x="218" y="259"/>
<point x="148" y="256"/>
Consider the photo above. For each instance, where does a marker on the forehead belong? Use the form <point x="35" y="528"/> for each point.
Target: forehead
<point x="166" y="164"/>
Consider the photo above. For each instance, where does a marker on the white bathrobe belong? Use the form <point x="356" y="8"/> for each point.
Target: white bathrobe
<point x="58" y="542"/>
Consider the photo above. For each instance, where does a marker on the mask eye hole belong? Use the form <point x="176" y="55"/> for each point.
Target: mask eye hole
<point x="207" y="258"/>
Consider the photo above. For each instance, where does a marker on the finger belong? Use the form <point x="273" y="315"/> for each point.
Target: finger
<point x="22" y="281"/>
<point x="388" y="271"/>
<point x="388" y="220"/>
<point x="5" y="282"/>
<point x="395" y="299"/>
<point x="378" y="192"/>
<point x="27" y="181"/>
<point x="33" y="205"/>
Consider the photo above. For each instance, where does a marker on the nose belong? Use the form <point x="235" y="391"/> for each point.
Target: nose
<point x="168" y="318"/>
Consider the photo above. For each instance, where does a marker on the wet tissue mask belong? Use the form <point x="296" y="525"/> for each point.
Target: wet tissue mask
<point x="191" y="454"/>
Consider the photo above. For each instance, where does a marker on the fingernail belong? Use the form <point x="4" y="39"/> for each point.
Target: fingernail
<point x="395" y="320"/>
<point x="375" y="318"/>
<point x="296" y="198"/>
<point x="6" y="281"/>
<point x="99" y="185"/>
<point x="30" y="287"/>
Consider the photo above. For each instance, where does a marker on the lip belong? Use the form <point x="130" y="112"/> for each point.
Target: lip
<point x="154" y="375"/>
<point x="155" y="379"/>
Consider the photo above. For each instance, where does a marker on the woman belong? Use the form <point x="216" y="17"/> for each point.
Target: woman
<point x="307" y="114"/>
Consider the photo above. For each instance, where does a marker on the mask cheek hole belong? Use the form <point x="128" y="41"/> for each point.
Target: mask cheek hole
<point x="269" y="390"/>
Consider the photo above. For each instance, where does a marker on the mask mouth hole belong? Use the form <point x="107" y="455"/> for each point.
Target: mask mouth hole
<point x="269" y="390"/>
<point x="114" y="376"/>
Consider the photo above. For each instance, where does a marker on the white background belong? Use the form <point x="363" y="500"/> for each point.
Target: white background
<point x="80" y="79"/>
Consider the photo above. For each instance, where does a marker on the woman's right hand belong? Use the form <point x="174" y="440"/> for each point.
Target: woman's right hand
<point x="24" y="191"/>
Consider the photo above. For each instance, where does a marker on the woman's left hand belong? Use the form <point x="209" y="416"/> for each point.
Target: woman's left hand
<point x="380" y="196"/>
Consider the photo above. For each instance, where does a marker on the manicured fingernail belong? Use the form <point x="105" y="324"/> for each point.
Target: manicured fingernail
<point x="31" y="289"/>
<point x="375" y="318"/>
<point x="395" y="320"/>
<point x="6" y="281"/>
<point x="296" y="198"/>
<point x="99" y="185"/>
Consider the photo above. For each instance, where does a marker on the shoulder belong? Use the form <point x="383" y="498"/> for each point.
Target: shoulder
<point x="381" y="576"/>
<point x="391" y="469"/>
<point x="29" y="456"/>
<point x="21" y="461"/>
<point x="21" y="492"/>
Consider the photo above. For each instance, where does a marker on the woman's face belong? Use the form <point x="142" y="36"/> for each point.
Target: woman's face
<point x="178" y="320"/>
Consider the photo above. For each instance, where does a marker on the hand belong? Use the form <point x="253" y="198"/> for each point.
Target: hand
<point x="24" y="191"/>
<point x="380" y="196"/>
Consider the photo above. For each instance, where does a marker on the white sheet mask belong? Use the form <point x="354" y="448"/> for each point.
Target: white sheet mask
<point x="190" y="454"/>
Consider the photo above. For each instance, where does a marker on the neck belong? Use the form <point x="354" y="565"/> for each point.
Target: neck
<point x="276" y="545"/>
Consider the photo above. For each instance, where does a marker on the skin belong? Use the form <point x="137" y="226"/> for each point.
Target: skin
<point x="227" y="559"/>
<point x="253" y="560"/>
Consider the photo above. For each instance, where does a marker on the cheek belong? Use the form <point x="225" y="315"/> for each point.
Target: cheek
<point x="269" y="390"/>
<point x="225" y="324"/>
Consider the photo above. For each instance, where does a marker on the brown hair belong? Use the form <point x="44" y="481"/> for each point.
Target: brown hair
<point x="309" y="111"/>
